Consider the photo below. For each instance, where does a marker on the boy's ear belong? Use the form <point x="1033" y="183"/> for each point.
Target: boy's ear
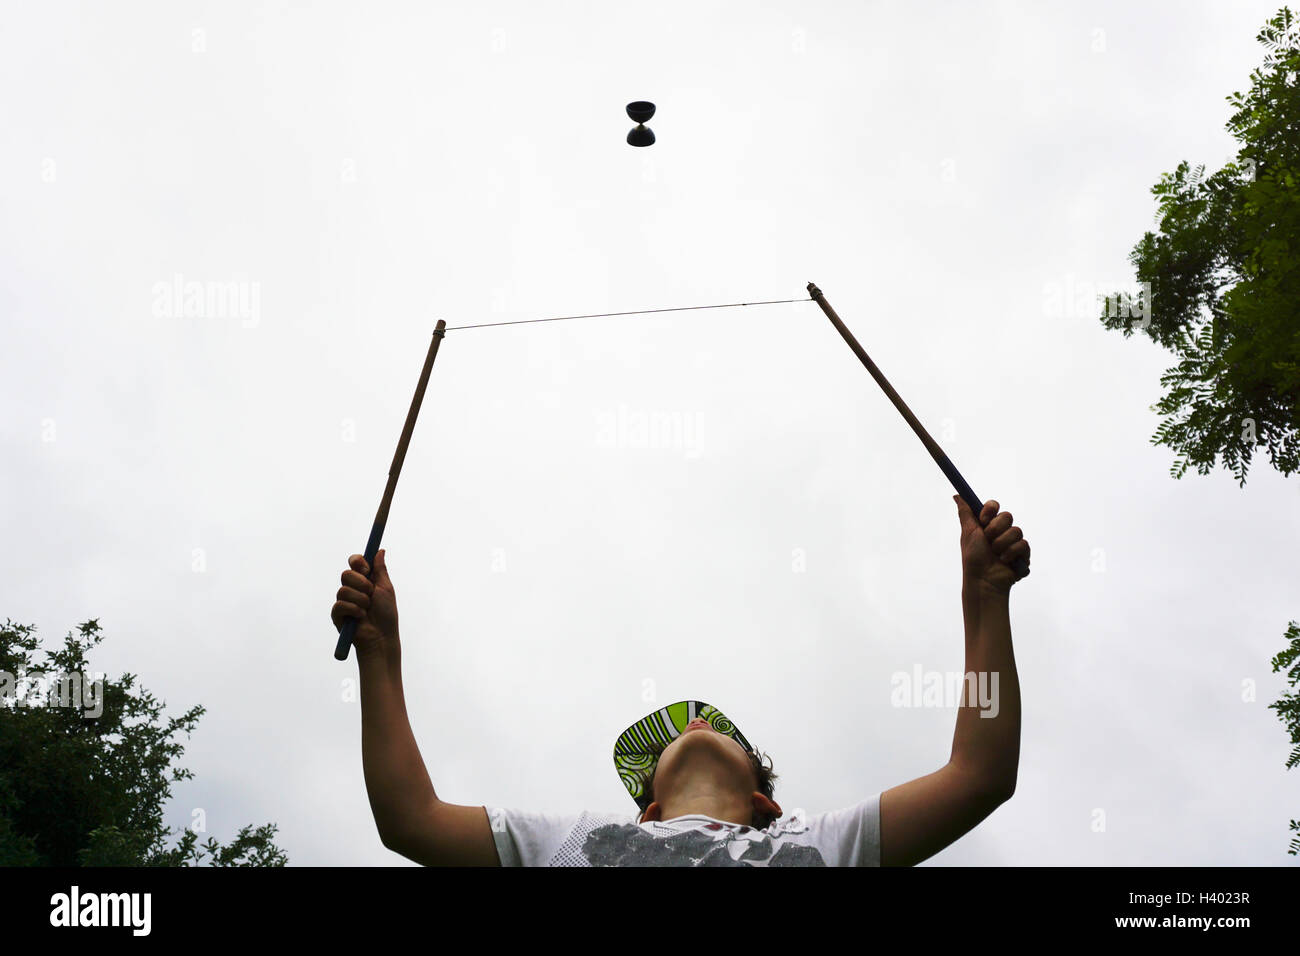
<point x="766" y="809"/>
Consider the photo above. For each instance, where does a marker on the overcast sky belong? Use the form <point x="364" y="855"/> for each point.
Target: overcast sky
<point x="603" y="516"/>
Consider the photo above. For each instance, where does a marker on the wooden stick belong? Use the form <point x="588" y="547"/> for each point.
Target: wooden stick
<point x="349" y="629"/>
<point x="1021" y="565"/>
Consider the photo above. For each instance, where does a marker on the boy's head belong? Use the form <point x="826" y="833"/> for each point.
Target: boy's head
<point x="703" y="761"/>
<point x="689" y="753"/>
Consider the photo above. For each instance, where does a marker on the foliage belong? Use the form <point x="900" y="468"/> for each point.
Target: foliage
<point x="86" y="785"/>
<point x="1288" y="710"/>
<point x="1224" y="281"/>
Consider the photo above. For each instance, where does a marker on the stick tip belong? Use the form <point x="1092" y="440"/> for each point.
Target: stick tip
<point x="813" y="290"/>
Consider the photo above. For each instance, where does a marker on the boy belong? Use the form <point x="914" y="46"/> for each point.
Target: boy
<point x="704" y="793"/>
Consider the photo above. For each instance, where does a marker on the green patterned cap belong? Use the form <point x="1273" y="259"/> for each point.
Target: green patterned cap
<point x="637" y="750"/>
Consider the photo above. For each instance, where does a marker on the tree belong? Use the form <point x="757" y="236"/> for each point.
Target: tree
<point x="1223" y="276"/>
<point x="1288" y="710"/>
<point x="1223" y="292"/>
<point x="84" y="775"/>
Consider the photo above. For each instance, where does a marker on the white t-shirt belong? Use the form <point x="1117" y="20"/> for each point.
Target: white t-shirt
<point x="848" y="837"/>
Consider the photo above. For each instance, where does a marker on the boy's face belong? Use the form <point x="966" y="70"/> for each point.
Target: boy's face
<point x="702" y="754"/>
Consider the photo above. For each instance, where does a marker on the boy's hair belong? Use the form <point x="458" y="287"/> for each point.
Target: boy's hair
<point x="765" y="779"/>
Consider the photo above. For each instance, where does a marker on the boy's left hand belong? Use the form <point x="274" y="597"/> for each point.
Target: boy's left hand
<point x="990" y="546"/>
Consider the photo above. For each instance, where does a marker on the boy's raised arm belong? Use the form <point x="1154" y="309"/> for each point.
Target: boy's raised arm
<point x="925" y="815"/>
<point x="411" y="819"/>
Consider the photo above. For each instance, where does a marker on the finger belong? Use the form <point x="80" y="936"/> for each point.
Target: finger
<point x="1006" y="540"/>
<point x="381" y="577"/>
<point x="355" y="579"/>
<point x="358" y="563"/>
<point x="353" y="596"/>
<point x="965" y="515"/>
<point x="998" y="526"/>
<point x="1015" y="552"/>
<point x="342" y="610"/>
<point x="988" y="511"/>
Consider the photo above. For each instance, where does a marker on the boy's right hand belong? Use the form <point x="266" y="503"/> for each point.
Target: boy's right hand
<point x="372" y="602"/>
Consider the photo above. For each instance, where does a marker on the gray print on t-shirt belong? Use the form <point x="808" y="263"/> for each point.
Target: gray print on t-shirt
<point x="629" y="845"/>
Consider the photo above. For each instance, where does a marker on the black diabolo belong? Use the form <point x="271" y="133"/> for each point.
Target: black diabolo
<point x="640" y="113"/>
